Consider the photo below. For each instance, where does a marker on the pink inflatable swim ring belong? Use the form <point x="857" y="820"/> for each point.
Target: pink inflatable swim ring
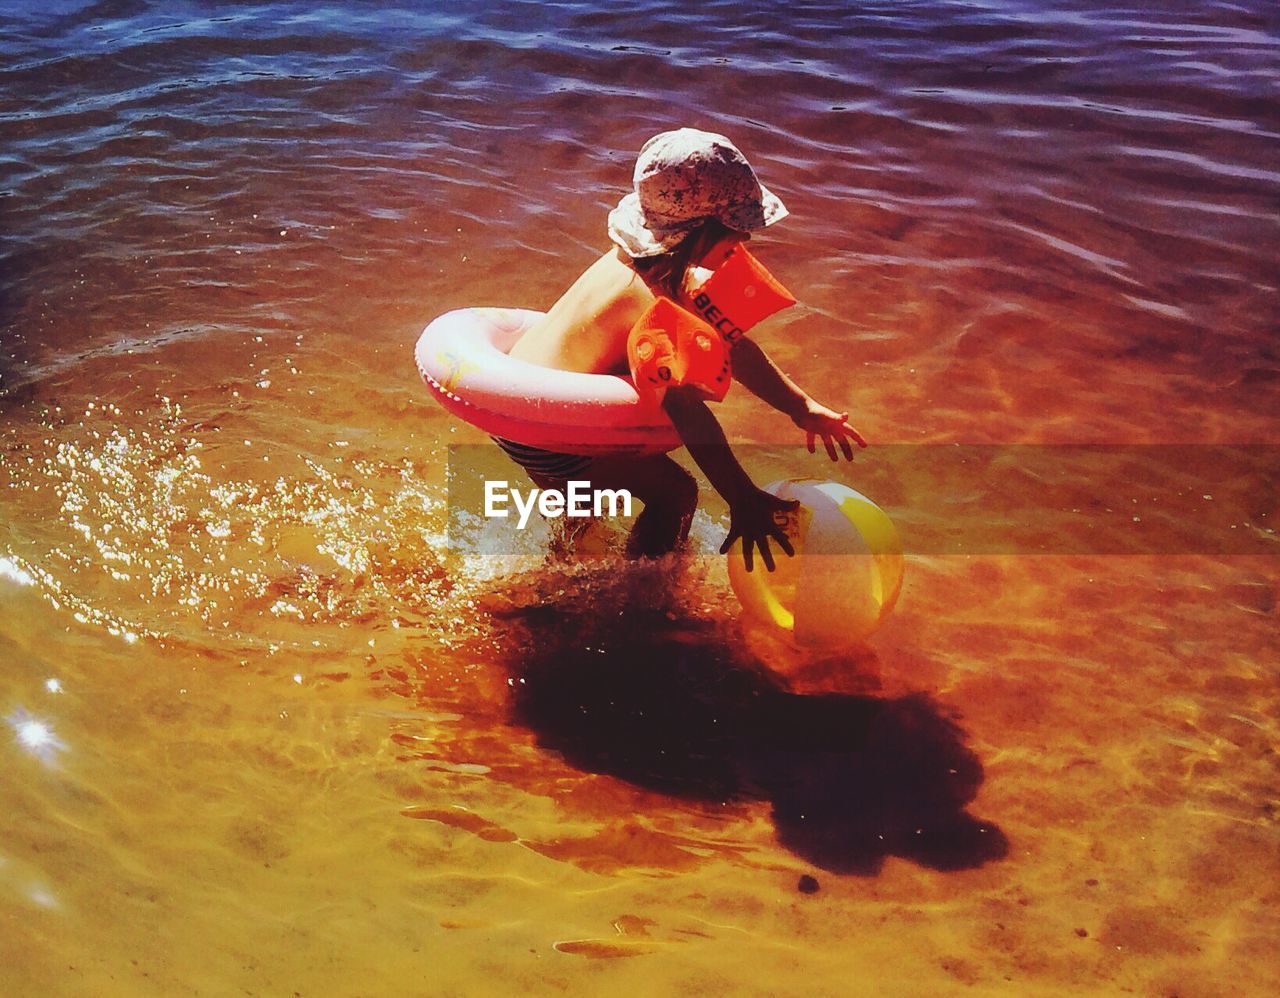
<point x="462" y="356"/>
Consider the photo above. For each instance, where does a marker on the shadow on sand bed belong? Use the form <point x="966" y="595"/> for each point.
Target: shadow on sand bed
<point x="666" y="706"/>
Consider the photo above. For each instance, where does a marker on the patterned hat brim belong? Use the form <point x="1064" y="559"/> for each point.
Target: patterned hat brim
<point x="640" y="237"/>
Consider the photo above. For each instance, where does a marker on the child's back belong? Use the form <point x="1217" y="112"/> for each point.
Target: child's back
<point x="586" y="330"/>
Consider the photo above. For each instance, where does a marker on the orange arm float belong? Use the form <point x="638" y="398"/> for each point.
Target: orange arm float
<point x="669" y="346"/>
<point x="739" y="294"/>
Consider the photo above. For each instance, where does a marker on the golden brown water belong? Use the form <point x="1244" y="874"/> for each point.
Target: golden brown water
<point x="266" y="733"/>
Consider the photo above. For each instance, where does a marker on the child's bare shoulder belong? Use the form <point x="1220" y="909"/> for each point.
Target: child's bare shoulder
<point x="628" y="293"/>
<point x="611" y="291"/>
<point x="614" y="277"/>
<point x="586" y="330"/>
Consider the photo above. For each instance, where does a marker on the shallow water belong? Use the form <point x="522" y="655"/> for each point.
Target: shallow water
<point x="267" y="733"/>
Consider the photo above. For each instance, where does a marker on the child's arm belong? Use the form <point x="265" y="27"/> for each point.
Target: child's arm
<point x="752" y="511"/>
<point x="764" y="379"/>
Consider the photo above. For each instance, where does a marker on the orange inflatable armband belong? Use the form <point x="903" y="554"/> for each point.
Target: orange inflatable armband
<point x="670" y="346"/>
<point x="739" y="294"/>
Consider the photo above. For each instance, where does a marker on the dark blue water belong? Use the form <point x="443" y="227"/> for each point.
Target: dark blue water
<point x="1116" y="160"/>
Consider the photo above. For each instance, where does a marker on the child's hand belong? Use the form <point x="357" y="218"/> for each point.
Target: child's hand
<point x="755" y="518"/>
<point x="818" y="421"/>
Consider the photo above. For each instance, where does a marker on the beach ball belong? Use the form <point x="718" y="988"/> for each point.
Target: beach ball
<point x="844" y="577"/>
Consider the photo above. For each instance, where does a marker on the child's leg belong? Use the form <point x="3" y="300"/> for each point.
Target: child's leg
<point x="669" y="494"/>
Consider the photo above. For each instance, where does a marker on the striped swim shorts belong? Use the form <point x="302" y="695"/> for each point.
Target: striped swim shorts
<point x="547" y="463"/>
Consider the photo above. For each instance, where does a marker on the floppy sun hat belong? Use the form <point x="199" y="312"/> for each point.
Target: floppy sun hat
<point x="683" y="178"/>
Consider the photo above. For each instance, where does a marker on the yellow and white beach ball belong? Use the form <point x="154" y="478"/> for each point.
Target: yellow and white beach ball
<point x="844" y="578"/>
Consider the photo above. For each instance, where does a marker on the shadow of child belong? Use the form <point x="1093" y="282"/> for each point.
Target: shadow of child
<point x="666" y="706"/>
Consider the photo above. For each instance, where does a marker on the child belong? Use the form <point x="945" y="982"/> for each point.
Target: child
<point x="696" y="199"/>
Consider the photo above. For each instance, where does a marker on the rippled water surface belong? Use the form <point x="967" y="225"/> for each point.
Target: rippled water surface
<point x="266" y="732"/>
